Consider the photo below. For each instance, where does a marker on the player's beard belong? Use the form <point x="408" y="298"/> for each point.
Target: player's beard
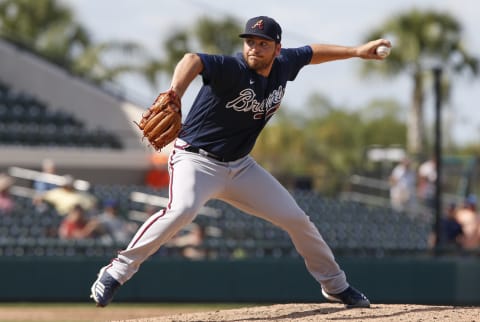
<point x="259" y="63"/>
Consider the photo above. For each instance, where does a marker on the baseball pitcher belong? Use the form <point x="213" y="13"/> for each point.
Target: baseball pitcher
<point x="211" y="157"/>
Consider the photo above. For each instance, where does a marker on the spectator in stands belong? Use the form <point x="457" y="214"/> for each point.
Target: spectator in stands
<point x="113" y="225"/>
<point x="6" y="201"/>
<point x="77" y="225"/>
<point x="427" y="178"/>
<point x="191" y="241"/>
<point x="157" y="176"/>
<point x="66" y="197"/>
<point x="451" y="232"/>
<point x="42" y="184"/>
<point x="149" y="210"/>
<point x="402" y="186"/>
<point x="468" y="218"/>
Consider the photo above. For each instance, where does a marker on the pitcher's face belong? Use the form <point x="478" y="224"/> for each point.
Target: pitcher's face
<point x="259" y="53"/>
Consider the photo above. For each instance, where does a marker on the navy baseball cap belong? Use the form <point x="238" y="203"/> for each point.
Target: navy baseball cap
<point x="264" y="27"/>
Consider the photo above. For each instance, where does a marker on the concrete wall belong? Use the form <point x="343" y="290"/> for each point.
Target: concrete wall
<point x="448" y="281"/>
<point x="94" y="165"/>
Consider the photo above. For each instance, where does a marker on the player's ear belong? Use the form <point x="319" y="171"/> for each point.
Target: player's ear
<point x="278" y="47"/>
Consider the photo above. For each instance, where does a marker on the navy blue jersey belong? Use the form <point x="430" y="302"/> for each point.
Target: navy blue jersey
<point x="234" y="102"/>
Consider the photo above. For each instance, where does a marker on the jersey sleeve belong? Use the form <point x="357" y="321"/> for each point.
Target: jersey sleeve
<point x="219" y="69"/>
<point x="295" y="59"/>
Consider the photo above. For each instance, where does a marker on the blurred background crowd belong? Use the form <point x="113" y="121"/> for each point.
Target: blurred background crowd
<point x="77" y="180"/>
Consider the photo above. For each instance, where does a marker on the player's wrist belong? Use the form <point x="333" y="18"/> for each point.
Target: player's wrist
<point x="177" y="90"/>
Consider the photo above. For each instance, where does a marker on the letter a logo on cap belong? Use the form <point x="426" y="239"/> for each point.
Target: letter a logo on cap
<point x="258" y="24"/>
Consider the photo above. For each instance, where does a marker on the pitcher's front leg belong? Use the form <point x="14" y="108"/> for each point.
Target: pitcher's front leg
<point x="154" y="233"/>
<point x="193" y="181"/>
<point x="257" y="192"/>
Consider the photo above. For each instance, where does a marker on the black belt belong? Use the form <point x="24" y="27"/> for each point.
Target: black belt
<point x="201" y="151"/>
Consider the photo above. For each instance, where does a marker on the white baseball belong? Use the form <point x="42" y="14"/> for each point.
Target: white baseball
<point x="383" y="51"/>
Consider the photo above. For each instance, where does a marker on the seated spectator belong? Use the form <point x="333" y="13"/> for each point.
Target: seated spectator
<point x="451" y="230"/>
<point x="191" y="242"/>
<point x="6" y="201"/>
<point x="468" y="218"/>
<point x="150" y="210"/>
<point x="157" y="176"/>
<point x="402" y="186"/>
<point x="76" y="225"/>
<point x="117" y="228"/>
<point x="427" y="180"/>
<point x="42" y="184"/>
<point x="65" y="197"/>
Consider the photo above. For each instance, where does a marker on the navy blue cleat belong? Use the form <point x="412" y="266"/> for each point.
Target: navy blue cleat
<point x="351" y="297"/>
<point x="104" y="288"/>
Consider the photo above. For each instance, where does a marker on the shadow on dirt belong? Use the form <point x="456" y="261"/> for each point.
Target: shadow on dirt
<point x="294" y="315"/>
<point x="400" y="312"/>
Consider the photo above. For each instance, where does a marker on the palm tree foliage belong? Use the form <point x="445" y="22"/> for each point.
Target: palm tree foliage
<point x="422" y="40"/>
<point x="206" y="35"/>
<point x="328" y="144"/>
<point x="218" y="37"/>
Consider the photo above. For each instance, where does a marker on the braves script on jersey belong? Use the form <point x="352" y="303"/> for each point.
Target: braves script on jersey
<point x="228" y="125"/>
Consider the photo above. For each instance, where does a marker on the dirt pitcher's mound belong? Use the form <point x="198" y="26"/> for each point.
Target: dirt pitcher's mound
<point x="329" y="312"/>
